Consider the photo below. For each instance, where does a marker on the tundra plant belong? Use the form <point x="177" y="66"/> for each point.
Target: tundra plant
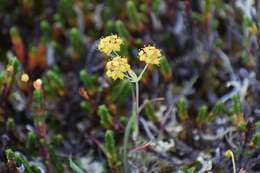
<point x="118" y="68"/>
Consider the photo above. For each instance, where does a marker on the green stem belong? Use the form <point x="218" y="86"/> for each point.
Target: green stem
<point x="133" y="121"/>
<point x="126" y="136"/>
<point x="115" y="53"/>
<point x="141" y="74"/>
<point x="234" y="163"/>
<point x="136" y="109"/>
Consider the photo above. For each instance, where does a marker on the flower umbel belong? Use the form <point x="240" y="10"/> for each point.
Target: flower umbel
<point x="150" y="55"/>
<point x="109" y="44"/>
<point x="117" y="67"/>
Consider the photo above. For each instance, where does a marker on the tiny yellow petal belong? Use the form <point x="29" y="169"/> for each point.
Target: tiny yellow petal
<point x="109" y="44"/>
<point x="117" y="67"/>
<point x="25" y="77"/>
<point x="150" y="55"/>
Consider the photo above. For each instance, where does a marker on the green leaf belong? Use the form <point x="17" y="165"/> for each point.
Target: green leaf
<point x="257" y="124"/>
<point x="133" y="14"/>
<point x="75" y="167"/>
<point x="121" y="29"/>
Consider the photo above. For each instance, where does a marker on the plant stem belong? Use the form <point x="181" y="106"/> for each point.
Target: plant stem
<point x="141" y="74"/>
<point x="115" y="53"/>
<point x="126" y="136"/>
<point x="136" y="110"/>
<point x="133" y="121"/>
<point x="234" y="163"/>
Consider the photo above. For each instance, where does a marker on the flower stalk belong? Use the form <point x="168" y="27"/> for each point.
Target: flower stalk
<point x="118" y="68"/>
<point x="230" y="153"/>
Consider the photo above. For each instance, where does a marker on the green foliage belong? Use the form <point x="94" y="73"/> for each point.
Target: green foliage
<point x="149" y="111"/>
<point x="38" y="111"/>
<point x="76" y="40"/>
<point x="75" y="167"/>
<point x="156" y="6"/>
<point x="202" y="114"/>
<point x="121" y="92"/>
<point x="187" y="169"/>
<point x="20" y="160"/>
<point x="257" y="124"/>
<point x="87" y="79"/>
<point x="53" y="83"/>
<point x="196" y="16"/>
<point x="14" y="63"/>
<point x="110" y="147"/>
<point x="121" y="29"/>
<point x="218" y="108"/>
<point x="31" y="141"/>
<point x="1" y="78"/>
<point x="110" y="25"/>
<point x="55" y="159"/>
<point x="14" y="32"/>
<point x="105" y="117"/>
<point x="10" y="124"/>
<point x="236" y="108"/>
<point x="85" y="106"/>
<point x="46" y="29"/>
<point x="57" y="117"/>
<point x="66" y="10"/>
<point x="256" y="139"/>
<point x="133" y="14"/>
<point x="182" y="108"/>
<point x="165" y="68"/>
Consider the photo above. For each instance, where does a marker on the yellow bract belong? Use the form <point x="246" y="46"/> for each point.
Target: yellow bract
<point x="150" y="55"/>
<point x="228" y="153"/>
<point x="117" y="67"/>
<point x="109" y="44"/>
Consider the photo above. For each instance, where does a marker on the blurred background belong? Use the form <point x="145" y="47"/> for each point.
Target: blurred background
<point x="208" y="78"/>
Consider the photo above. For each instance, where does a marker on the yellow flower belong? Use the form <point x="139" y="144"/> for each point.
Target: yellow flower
<point x="117" y="67"/>
<point x="150" y="55"/>
<point x="229" y="153"/>
<point x="25" y="78"/>
<point x="109" y="44"/>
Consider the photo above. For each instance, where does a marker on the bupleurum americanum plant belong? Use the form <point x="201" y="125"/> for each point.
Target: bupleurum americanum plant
<point x="118" y="68"/>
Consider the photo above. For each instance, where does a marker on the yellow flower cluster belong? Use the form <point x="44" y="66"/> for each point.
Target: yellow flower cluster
<point x="117" y="67"/>
<point x="109" y="44"/>
<point x="150" y="55"/>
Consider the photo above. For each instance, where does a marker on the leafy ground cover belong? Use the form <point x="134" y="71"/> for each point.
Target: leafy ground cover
<point x="197" y="107"/>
